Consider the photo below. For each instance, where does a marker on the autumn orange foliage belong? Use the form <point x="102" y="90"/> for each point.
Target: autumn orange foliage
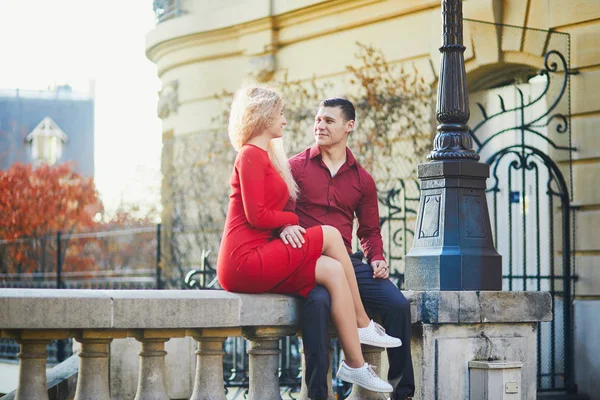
<point x="36" y="203"/>
<point x="45" y="200"/>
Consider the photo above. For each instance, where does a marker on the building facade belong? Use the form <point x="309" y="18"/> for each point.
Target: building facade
<point x="204" y="48"/>
<point x="51" y="126"/>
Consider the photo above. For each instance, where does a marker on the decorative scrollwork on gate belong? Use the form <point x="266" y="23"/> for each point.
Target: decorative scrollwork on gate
<point x="530" y="201"/>
<point x="555" y="69"/>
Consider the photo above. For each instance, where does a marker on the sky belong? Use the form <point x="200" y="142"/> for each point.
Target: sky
<point x="53" y="42"/>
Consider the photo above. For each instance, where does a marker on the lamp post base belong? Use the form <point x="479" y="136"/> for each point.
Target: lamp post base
<point x="453" y="247"/>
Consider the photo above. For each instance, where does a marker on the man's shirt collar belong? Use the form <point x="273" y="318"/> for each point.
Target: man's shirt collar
<point x="316" y="151"/>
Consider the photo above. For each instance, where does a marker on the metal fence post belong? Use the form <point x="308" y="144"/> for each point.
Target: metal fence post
<point x="158" y="256"/>
<point x="60" y="344"/>
<point x="58" y="261"/>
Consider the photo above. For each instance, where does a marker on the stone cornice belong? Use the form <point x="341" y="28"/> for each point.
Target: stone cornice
<point x="168" y="37"/>
<point x="283" y="21"/>
<point x="320" y="10"/>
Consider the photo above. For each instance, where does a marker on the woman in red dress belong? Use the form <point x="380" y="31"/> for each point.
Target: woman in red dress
<point x="253" y="259"/>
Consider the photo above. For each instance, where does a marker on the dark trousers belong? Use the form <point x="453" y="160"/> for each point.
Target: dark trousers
<point x="380" y="297"/>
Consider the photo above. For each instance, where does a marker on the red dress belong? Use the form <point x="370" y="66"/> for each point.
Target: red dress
<point x="252" y="258"/>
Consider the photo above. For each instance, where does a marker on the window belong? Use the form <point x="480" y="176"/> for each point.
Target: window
<point x="166" y="9"/>
<point x="46" y="140"/>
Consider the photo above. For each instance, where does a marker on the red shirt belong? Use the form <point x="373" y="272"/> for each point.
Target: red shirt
<point x="324" y="200"/>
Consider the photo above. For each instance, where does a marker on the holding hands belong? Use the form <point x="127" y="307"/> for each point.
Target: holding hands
<point x="292" y="235"/>
<point x="380" y="269"/>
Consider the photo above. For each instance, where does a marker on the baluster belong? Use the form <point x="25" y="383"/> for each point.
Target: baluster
<point x="151" y="381"/>
<point x="264" y="361"/>
<point x="32" y="361"/>
<point x="208" y="384"/>
<point x="32" y="370"/>
<point x="92" y="381"/>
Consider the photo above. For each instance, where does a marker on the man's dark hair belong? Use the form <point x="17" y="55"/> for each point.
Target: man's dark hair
<point x="346" y="106"/>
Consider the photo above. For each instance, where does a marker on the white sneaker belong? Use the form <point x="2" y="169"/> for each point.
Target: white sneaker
<point x="364" y="377"/>
<point x="374" y="335"/>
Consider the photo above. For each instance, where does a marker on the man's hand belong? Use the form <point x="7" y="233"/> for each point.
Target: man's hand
<point x="292" y="235"/>
<point x="380" y="269"/>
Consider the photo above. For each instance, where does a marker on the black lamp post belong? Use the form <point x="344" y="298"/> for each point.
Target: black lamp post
<point x="453" y="247"/>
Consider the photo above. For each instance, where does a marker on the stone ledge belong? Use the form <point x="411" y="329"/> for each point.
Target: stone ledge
<point x="142" y="309"/>
<point x="54" y="309"/>
<point x="160" y="309"/>
<point x="170" y="309"/>
<point x="454" y="307"/>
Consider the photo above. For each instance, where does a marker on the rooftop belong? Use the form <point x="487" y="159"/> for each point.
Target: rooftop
<point x="63" y="92"/>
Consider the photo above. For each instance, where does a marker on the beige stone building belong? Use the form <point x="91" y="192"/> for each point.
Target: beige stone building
<point x="202" y="48"/>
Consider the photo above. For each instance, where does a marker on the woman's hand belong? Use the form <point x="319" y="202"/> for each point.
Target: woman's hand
<point x="292" y="235"/>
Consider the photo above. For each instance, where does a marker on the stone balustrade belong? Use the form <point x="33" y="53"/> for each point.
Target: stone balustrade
<point x="95" y="317"/>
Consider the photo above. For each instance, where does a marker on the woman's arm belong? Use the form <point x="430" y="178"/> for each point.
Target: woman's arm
<point x="252" y="166"/>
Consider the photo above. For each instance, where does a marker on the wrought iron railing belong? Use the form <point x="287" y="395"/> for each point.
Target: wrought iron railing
<point x="125" y="258"/>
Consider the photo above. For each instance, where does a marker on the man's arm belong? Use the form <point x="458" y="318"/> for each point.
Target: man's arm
<point x="369" y="232"/>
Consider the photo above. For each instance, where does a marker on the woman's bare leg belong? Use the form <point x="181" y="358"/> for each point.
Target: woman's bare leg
<point x="334" y="247"/>
<point x="330" y="273"/>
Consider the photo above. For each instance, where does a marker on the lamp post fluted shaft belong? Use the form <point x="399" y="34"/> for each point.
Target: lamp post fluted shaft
<point x="453" y="246"/>
<point x="453" y="140"/>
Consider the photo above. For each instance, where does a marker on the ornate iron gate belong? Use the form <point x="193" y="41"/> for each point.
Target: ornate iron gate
<point x="526" y="141"/>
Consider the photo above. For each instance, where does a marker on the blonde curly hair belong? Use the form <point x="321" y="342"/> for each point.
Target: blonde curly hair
<point x="254" y="108"/>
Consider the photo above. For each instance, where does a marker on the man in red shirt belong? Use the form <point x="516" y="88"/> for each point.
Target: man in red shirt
<point x="334" y="189"/>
